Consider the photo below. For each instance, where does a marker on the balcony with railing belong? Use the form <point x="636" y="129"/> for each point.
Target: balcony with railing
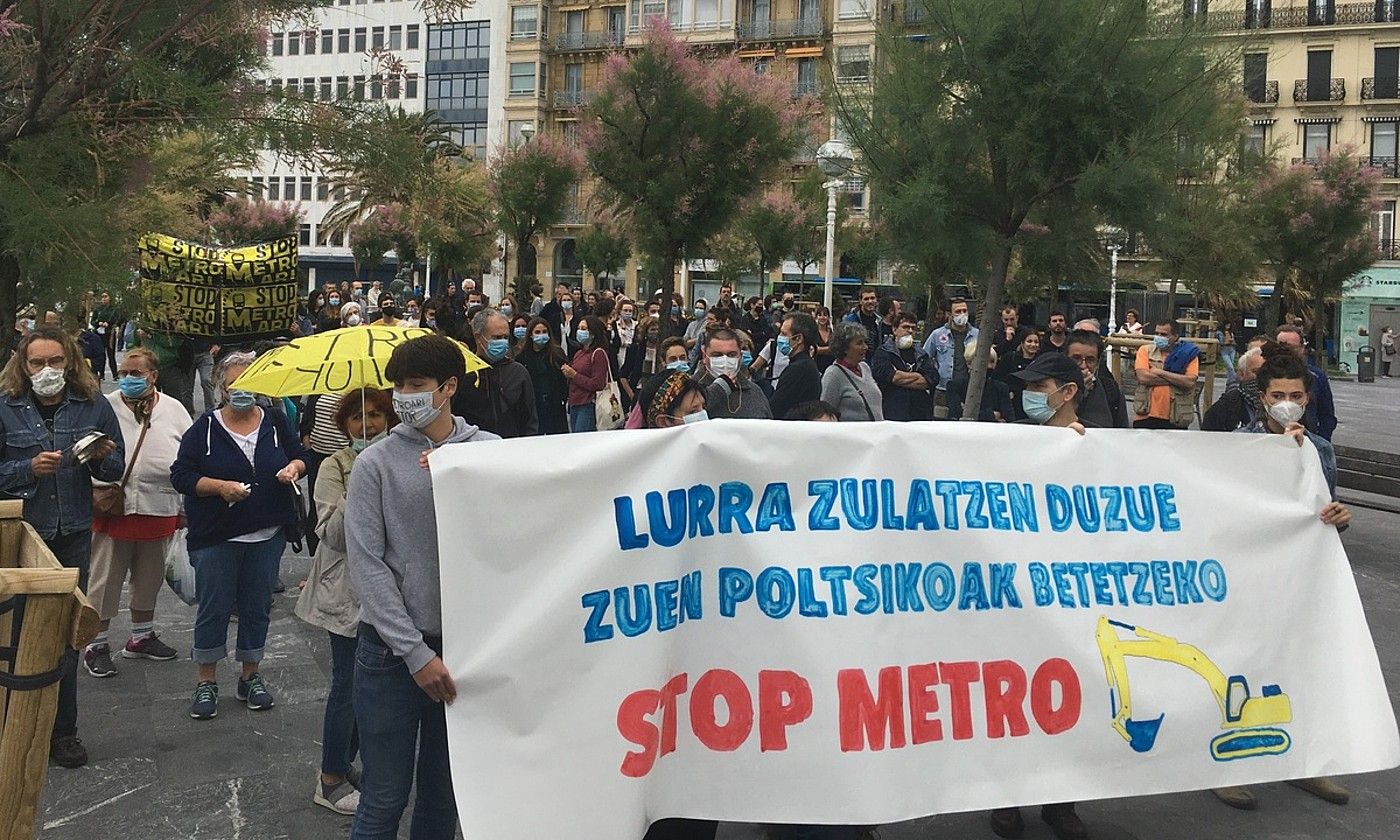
<point x="583" y="41"/>
<point x="805" y="87"/>
<point x="1387" y="249"/>
<point x="1303" y="15"/>
<point x="1336" y="91"/>
<point x="777" y="30"/>
<point x="569" y="98"/>
<point x="1382" y="88"/>
<point x="1262" y="94"/>
<point x="1386" y="166"/>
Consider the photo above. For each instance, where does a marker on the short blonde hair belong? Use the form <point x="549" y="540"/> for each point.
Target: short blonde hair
<point x="151" y="361"/>
<point x="970" y="350"/>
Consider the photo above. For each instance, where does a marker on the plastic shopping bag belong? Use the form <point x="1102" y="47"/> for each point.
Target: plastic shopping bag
<point x="179" y="574"/>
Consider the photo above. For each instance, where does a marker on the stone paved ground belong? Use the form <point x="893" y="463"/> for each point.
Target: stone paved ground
<point x="157" y="775"/>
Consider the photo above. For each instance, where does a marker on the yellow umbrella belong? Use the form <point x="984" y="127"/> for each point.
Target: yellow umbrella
<point x="334" y="362"/>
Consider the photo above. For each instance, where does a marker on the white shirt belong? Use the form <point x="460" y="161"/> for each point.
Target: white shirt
<point x="249" y="444"/>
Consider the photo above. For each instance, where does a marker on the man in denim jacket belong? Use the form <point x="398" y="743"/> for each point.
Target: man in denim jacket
<point x="50" y="401"/>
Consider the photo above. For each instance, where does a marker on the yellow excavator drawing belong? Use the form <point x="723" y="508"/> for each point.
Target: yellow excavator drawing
<point x="1250" y="723"/>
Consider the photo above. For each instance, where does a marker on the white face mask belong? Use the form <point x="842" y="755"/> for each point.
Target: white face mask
<point x="417" y="409"/>
<point x="724" y="366"/>
<point x="960" y="320"/>
<point x="904" y="342"/>
<point x="48" y="382"/>
<point x="1285" y="412"/>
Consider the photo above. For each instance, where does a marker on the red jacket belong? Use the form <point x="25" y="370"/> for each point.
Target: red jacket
<point x="592" y="368"/>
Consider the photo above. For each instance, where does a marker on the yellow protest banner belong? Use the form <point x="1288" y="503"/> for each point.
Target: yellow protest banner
<point x="219" y="293"/>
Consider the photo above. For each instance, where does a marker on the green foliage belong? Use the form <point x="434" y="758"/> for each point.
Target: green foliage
<point x="676" y="144"/>
<point x="862" y="248"/>
<point x="1009" y="106"/>
<point x="809" y="242"/>
<point x="603" y="250"/>
<point x="733" y="254"/>
<point x="772" y="224"/>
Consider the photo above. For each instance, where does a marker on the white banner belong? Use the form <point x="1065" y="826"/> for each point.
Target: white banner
<point x="865" y="623"/>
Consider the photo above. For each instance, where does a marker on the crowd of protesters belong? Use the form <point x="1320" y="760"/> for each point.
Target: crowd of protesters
<point x="229" y="475"/>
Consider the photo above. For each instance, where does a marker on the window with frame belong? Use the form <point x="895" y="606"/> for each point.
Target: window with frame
<point x="458" y="92"/>
<point x="323" y="189"/>
<point x="396" y="38"/>
<point x="359" y="88"/>
<point x="327" y="41"/>
<point x="305" y="184"/>
<point x="342" y="87"/>
<point x="255" y="184"/>
<point x="1257" y="140"/>
<point x="642" y="12"/>
<point x="853" y="63"/>
<point x="310" y="36"/>
<point x="304" y="234"/>
<point x="469" y="41"/>
<point x="1317" y="139"/>
<point x="522" y="78"/>
<point x="289" y="188"/>
<point x="514" y="128"/>
<point x="376" y="38"/>
<point x="308" y="88"/>
<point x="1256" y="74"/>
<point x="376" y="87"/>
<point x="293" y="87"/>
<point x="361" y="37"/>
<point x="393" y="87"/>
<point x="1383" y="144"/>
<point x="275" y="43"/>
<point x="411" y="37"/>
<point x="274" y="188"/>
<point x="524" y="22"/>
<point x="852" y="9"/>
<point x="293" y="43"/>
<point x="327" y="89"/>
<point x="410" y="86"/>
<point x="342" y="40"/>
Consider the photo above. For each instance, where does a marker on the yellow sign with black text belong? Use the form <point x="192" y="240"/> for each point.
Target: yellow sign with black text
<point x="227" y="294"/>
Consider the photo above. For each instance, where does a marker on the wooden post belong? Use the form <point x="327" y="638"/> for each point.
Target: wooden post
<point x="56" y="617"/>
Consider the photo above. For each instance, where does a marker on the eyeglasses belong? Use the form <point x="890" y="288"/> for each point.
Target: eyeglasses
<point x="36" y="364"/>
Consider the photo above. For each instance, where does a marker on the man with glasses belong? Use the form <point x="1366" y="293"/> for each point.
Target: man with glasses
<point x="1102" y="405"/>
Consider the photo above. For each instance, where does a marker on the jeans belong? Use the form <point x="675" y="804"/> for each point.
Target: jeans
<point x="178" y="383"/>
<point x="229" y="575"/>
<point x="396" y="720"/>
<point x="204" y="364"/>
<point x="582" y="418"/>
<point x="74" y="551"/>
<point x="339" y="742"/>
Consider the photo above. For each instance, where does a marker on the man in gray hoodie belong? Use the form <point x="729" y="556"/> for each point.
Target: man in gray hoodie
<point x="401" y="682"/>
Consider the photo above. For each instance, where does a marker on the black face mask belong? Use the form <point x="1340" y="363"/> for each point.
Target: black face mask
<point x="389" y="311"/>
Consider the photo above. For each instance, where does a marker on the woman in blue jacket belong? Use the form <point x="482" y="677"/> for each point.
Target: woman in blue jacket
<point x="235" y="468"/>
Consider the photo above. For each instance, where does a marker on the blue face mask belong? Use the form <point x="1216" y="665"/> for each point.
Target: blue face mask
<point x="134" y="387"/>
<point x="497" y="348"/>
<point x="784" y="345"/>
<point x="679" y="365"/>
<point x="747" y="359"/>
<point x="242" y="400"/>
<point x="699" y="312"/>
<point x="582" y="336"/>
<point x="696" y="417"/>
<point x="1161" y="341"/>
<point x="518" y="332"/>
<point x="541" y="340"/>
<point x="1037" y="405"/>
<point x="507" y="310"/>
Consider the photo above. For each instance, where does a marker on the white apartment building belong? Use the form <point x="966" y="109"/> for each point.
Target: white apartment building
<point x="455" y="69"/>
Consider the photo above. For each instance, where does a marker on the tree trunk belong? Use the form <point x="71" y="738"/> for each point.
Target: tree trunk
<point x="665" y="268"/>
<point x="9" y="301"/>
<point x="987" y="327"/>
<point x="1275" y="312"/>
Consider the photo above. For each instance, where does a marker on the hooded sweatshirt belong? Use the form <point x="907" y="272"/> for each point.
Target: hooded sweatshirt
<point x="391" y="540"/>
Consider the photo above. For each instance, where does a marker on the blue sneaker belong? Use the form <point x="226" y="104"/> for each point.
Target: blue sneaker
<point x="253" y="691"/>
<point x="206" y="701"/>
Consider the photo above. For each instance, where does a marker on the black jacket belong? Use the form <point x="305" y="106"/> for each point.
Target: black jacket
<point x="499" y="399"/>
<point x="800" y="382"/>
<point x="899" y="403"/>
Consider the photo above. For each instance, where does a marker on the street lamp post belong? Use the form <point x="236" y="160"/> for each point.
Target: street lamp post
<point x="835" y="160"/>
<point x="1113" y="250"/>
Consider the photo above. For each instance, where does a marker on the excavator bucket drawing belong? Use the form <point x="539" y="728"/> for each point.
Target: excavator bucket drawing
<point x="1251" y="723"/>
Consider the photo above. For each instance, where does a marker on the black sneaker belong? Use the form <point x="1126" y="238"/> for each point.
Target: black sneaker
<point x="149" y="647"/>
<point x="68" y="751"/>
<point x="97" y="661"/>
<point x="206" y="701"/>
<point x="253" y="691"/>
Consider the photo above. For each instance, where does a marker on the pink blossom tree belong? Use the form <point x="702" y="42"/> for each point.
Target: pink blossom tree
<point x="677" y="142"/>
<point x="240" y="221"/>
<point x="532" y="185"/>
<point x="1315" y="222"/>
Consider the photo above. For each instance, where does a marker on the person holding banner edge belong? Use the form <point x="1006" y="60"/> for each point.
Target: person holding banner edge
<point x="1285" y="388"/>
<point x="400" y="681"/>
